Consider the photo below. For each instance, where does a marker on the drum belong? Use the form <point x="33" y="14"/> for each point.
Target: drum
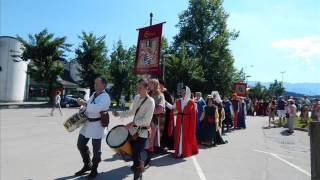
<point x="118" y="140"/>
<point x="75" y="121"/>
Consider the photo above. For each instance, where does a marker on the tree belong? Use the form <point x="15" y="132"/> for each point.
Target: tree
<point x="258" y="91"/>
<point x="203" y="26"/>
<point x="121" y="71"/>
<point x="239" y="76"/>
<point x="181" y="68"/>
<point x="92" y="58"/>
<point x="276" y="89"/>
<point x="46" y="55"/>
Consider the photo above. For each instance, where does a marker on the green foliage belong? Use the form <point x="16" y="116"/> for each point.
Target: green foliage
<point x="261" y="92"/>
<point x="92" y="58"/>
<point x="182" y="68"/>
<point x="258" y="91"/>
<point x="121" y="71"/>
<point x="276" y="89"/>
<point x="203" y="27"/>
<point x="46" y="55"/>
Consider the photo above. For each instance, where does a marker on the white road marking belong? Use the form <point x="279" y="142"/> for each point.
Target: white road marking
<point x="285" y="161"/>
<point x="198" y="168"/>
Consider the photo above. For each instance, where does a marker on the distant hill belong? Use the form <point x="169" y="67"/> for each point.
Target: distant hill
<point x="310" y="89"/>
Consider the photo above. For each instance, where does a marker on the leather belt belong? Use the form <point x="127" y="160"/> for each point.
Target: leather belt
<point x="94" y="119"/>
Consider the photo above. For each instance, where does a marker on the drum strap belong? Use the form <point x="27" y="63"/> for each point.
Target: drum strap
<point x="140" y="106"/>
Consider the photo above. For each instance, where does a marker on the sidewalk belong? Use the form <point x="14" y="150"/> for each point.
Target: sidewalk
<point x="12" y="105"/>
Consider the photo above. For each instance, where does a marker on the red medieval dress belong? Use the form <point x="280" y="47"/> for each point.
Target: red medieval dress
<point x="185" y="135"/>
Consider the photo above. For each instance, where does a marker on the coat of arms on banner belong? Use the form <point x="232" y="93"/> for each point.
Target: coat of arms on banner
<point x="148" y="50"/>
<point x="240" y="89"/>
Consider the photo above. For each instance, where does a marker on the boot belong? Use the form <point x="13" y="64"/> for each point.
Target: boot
<point x="94" y="170"/>
<point x="86" y="167"/>
<point x="137" y="174"/>
<point x="148" y="159"/>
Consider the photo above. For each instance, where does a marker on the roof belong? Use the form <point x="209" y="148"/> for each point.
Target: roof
<point x="66" y="80"/>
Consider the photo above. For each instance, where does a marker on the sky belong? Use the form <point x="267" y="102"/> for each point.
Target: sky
<point x="275" y="36"/>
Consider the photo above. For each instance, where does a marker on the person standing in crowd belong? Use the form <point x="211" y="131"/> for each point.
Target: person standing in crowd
<point x="142" y="109"/>
<point x="235" y="105"/>
<point x="305" y="109"/>
<point x="292" y="110"/>
<point x="242" y="114"/>
<point x="200" y="105"/>
<point x="248" y="106"/>
<point x="57" y="100"/>
<point x="272" y="111"/>
<point x="313" y="109"/>
<point x="256" y="107"/>
<point x="167" y="140"/>
<point x="260" y="107"/>
<point x="221" y="116"/>
<point x="185" y="130"/>
<point x="281" y="110"/>
<point x="92" y="129"/>
<point x="157" y="123"/>
<point x="265" y="107"/>
<point x="227" y="123"/>
<point x="317" y="111"/>
<point x="209" y="123"/>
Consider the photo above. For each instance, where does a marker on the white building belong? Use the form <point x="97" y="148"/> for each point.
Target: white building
<point x="13" y="71"/>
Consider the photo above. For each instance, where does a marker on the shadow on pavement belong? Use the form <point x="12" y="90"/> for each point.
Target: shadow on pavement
<point x="72" y="177"/>
<point x="166" y="160"/>
<point x="114" y="174"/>
<point x="285" y="133"/>
<point x="114" y="157"/>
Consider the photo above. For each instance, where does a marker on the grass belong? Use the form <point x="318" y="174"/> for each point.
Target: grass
<point x="298" y="123"/>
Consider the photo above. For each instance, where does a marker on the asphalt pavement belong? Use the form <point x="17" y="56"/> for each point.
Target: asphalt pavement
<point x="35" y="146"/>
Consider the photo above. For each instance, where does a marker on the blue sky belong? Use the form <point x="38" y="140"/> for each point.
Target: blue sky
<point x="275" y="35"/>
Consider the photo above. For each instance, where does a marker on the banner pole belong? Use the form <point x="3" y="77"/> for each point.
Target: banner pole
<point x="151" y="15"/>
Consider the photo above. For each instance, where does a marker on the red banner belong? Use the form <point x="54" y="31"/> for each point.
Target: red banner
<point x="148" y="50"/>
<point x="240" y="89"/>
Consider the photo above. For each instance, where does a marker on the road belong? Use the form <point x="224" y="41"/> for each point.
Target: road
<point x="35" y="146"/>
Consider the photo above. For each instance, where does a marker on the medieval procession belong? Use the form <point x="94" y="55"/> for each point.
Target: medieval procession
<point x="197" y="89"/>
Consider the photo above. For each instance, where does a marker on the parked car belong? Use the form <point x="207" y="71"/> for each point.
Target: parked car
<point x="69" y="101"/>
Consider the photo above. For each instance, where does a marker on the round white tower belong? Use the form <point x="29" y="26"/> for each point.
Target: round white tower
<point x="13" y="71"/>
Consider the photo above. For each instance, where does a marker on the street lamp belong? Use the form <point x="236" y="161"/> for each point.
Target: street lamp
<point x="244" y="70"/>
<point x="247" y="78"/>
<point x="282" y="75"/>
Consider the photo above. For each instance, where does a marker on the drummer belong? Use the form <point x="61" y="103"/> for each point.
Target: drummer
<point x="92" y="129"/>
<point x="142" y="109"/>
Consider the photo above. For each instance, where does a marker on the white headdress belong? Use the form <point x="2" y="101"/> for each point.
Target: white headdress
<point x="188" y="94"/>
<point x="216" y="96"/>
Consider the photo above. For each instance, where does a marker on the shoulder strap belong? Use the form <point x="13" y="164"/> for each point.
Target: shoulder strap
<point x="95" y="96"/>
<point x="140" y="106"/>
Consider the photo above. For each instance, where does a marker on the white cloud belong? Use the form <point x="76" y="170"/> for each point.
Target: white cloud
<point x="306" y="48"/>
